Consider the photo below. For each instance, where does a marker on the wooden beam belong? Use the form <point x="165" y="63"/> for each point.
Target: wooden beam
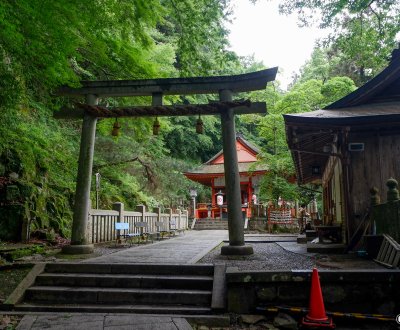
<point x="174" y="86"/>
<point x="78" y="111"/>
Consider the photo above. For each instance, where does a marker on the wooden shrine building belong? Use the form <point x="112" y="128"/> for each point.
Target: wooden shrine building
<point x="212" y="174"/>
<point x="349" y="147"/>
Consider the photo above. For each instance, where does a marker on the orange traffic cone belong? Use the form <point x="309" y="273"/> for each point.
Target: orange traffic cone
<point x="316" y="317"/>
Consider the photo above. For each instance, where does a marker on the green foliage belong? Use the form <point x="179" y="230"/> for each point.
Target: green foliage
<point x="336" y="88"/>
<point x="305" y="96"/>
<point x="46" y="44"/>
<point x="23" y="252"/>
<point x="364" y="32"/>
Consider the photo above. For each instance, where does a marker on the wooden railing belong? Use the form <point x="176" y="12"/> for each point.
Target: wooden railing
<point x="101" y="225"/>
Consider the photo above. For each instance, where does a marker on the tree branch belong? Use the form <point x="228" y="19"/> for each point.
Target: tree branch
<point x="147" y="168"/>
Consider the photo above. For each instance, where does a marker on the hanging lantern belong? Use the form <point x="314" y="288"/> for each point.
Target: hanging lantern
<point x="116" y="128"/>
<point x="220" y="198"/>
<point x="199" y="126"/>
<point x="156" y="127"/>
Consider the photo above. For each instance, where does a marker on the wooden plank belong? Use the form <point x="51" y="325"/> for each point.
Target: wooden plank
<point x="385" y="249"/>
<point x="380" y="253"/>
<point x="389" y="252"/>
<point x="388" y="256"/>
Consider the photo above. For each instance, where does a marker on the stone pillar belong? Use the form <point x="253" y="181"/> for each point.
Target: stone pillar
<point x="79" y="244"/>
<point x="232" y="183"/>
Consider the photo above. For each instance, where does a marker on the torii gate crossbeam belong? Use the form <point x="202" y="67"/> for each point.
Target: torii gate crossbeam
<point x="224" y="86"/>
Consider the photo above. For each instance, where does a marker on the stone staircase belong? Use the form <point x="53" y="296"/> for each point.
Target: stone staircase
<point x="123" y="288"/>
<point x="211" y="224"/>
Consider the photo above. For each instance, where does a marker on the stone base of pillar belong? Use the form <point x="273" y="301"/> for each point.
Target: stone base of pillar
<point x="240" y="250"/>
<point x="78" y="249"/>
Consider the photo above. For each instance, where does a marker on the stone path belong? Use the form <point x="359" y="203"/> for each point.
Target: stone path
<point x="186" y="248"/>
<point x="65" y="321"/>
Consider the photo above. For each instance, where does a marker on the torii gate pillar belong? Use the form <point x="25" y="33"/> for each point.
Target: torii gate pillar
<point x="232" y="183"/>
<point x="79" y="244"/>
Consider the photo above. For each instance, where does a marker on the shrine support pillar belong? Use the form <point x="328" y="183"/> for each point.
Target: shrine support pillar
<point x="232" y="183"/>
<point x="79" y="244"/>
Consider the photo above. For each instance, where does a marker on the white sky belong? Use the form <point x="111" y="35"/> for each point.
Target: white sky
<point x="274" y="39"/>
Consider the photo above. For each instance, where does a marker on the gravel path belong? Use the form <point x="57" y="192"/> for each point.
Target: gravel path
<point x="267" y="256"/>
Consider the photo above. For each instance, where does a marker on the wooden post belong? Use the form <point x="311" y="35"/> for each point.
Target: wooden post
<point x="141" y="209"/>
<point x="79" y="244"/>
<point x="232" y="183"/>
<point x="186" y="218"/>
<point x="158" y="211"/>
<point x="179" y="218"/>
<point x="119" y="207"/>
<point x="169" y="213"/>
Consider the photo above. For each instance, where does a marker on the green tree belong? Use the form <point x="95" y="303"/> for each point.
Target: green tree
<point x="46" y="44"/>
<point x="303" y="97"/>
<point x="364" y="32"/>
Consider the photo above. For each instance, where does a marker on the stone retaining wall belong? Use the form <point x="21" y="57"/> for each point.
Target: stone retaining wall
<point x="361" y="291"/>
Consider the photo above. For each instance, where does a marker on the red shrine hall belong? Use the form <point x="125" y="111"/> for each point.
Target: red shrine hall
<point x="211" y="174"/>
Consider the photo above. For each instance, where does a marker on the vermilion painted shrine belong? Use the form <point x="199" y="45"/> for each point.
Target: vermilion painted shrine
<point x="211" y="174"/>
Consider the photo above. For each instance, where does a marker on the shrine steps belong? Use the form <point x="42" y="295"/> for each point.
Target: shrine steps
<point x="124" y="288"/>
<point x="211" y="224"/>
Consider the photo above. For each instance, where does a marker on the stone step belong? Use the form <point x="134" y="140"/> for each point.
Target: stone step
<point x="215" y="225"/>
<point x="302" y="239"/>
<point x="125" y="281"/>
<point x="144" y="269"/>
<point x="211" y="226"/>
<point x="311" y="234"/>
<point x="87" y="295"/>
<point x="103" y="308"/>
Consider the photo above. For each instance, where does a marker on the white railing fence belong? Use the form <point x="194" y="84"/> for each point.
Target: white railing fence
<point x="101" y="224"/>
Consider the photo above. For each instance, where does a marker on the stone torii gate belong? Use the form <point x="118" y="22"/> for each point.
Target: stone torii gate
<point x="225" y="86"/>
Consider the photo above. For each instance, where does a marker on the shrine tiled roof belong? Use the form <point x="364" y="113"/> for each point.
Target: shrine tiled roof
<point x="359" y="114"/>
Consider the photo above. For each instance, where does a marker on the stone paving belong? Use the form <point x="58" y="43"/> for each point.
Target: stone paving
<point x="186" y="248"/>
<point x="65" y="321"/>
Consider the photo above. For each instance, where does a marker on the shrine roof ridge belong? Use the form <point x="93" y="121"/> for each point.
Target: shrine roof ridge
<point x="174" y="86"/>
<point x="362" y="114"/>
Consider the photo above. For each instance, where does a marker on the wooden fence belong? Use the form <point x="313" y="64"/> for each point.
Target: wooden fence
<point x="101" y="225"/>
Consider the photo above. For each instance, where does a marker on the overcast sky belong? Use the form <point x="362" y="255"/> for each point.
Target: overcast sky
<point x="273" y="38"/>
